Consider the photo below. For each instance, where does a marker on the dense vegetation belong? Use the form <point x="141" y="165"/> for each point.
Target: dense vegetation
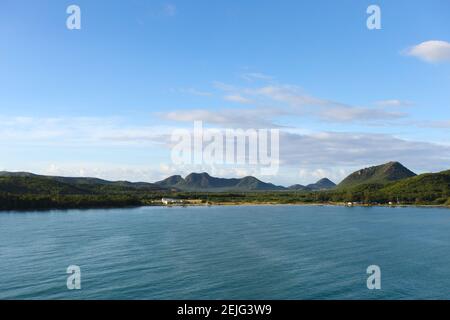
<point x="25" y="192"/>
<point x="31" y="192"/>
<point x="41" y="202"/>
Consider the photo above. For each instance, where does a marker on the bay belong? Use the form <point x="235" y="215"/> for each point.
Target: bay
<point x="226" y="252"/>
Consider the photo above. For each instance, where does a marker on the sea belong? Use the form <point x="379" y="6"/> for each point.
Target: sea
<point x="226" y="252"/>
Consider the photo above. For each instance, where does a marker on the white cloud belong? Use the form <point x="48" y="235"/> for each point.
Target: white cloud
<point x="271" y="102"/>
<point x="355" y="150"/>
<point x="76" y="131"/>
<point x="368" y="115"/>
<point x="313" y="175"/>
<point x="431" y="51"/>
<point x="393" y="103"/>
<point x="287" y="94"/>
<point x="238" y="98"/>
<point x="240" y="118"/>
<point x="437" y="124"/>
<point x="335" y="155"/>
<point x="324" y="109"/>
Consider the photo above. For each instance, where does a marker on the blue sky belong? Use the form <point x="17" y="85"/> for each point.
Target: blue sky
<point x="102" y="100"/>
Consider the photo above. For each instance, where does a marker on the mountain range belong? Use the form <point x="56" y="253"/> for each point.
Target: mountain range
<point x="205" y="182"/>
<point x="29" y="183"/>
<point x="26" y="183"/>
<point x="390" y="182"/>
<point x="381" y="174"/>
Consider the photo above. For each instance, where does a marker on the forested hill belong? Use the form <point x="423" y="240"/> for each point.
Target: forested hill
<point x="382" y="174"/>
<point x="389" y="183"/>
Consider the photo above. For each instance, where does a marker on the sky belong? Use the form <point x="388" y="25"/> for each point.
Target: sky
<point x="105" y="100"/>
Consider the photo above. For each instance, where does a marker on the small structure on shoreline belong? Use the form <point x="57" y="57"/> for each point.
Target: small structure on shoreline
<point x="168" y="201"/>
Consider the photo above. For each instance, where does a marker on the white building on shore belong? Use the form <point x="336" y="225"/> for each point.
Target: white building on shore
<point x="167" y="201"/>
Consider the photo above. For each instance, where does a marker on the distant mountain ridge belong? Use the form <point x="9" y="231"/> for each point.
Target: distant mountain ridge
<point x="322" y="184"/>
<point x="204" y="182"/>
<point x="298" y="187"/>
<point x="24" y="182"/>
<point x="192" y="182"/>
<point x="381" y="174"/>
<point x="388" y="184"/>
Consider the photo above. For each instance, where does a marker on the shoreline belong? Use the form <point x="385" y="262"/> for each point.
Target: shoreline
<point x="317" y="204"/>
<point x="229" y="204"/>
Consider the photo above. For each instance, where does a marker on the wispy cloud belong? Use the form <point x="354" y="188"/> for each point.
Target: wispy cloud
<point x="256" y="76"/>
<point x="393" y="103"/>
<point x="328" y="110"/>
<point x="359" y="114"/>
<point x="224" y="86"/>
<point x="238" y="98"/>
<point x="293" y="96"/>
<point x="437" y="124"/>
<point x="431" y="51"/>
<point x="242" y="118"/>
<point x="265" y="104"/>
<point x="75" y="131"/>
<point x="195" y="92"/>
<point x="169" y="9"/>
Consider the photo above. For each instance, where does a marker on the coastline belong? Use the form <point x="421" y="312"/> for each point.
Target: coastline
<point x="318" y="204"/>
<point x="221" y="204"/>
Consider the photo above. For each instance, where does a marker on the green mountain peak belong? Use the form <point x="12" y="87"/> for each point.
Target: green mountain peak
<point x="381" y="174"/>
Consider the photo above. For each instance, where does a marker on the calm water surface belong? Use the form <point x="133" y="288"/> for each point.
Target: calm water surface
<point x="248" y="252"/>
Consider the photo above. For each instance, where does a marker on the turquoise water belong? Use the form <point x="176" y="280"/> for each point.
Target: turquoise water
<point x="254" y="252"/>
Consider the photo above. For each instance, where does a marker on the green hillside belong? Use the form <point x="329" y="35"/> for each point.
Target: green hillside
<point x="29" y="191"/>
<point x="24" y="191"/>
<point x="37" y="185"/>
<point x="28" y="183"/>
<point x="429" y="187"/>
<point x="382" y="174"/>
